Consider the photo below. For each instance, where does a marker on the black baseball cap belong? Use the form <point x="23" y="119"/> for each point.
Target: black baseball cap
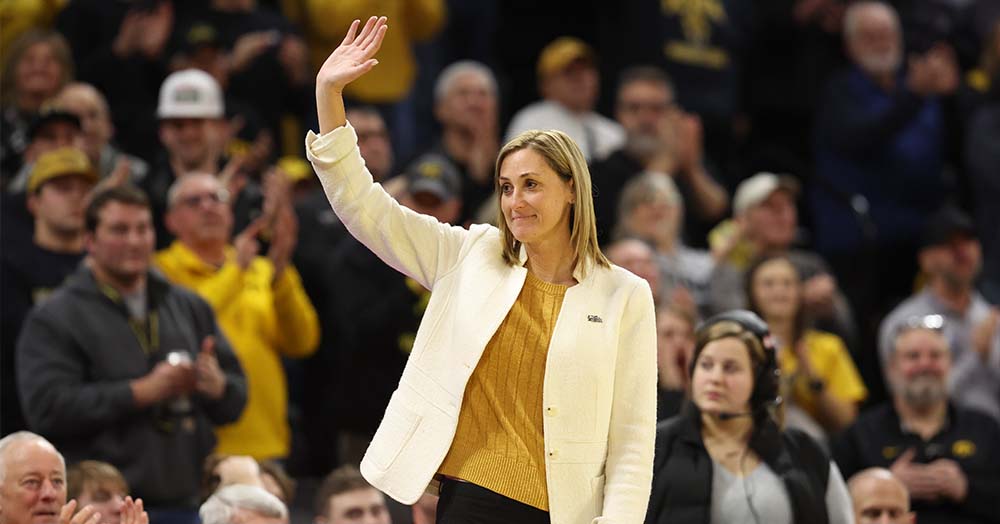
<point x="945" y="224"/>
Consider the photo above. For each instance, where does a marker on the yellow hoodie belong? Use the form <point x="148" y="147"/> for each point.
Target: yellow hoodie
<point x="262" y="323"/>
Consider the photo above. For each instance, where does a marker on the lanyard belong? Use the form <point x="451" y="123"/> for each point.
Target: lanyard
<point x="146" y="331"/>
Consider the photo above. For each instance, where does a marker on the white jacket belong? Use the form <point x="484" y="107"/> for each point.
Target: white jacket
<point x="599" y="392"/>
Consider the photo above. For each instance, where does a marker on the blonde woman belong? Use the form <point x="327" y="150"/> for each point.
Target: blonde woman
<point x="531" y="386"/>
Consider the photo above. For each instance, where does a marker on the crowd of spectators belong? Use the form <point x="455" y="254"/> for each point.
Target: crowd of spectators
<point x="187" y="322"/>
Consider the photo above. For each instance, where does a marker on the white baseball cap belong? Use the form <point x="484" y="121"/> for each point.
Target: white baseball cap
<point x="191" y="93"/>
<point x="757" y="188"/>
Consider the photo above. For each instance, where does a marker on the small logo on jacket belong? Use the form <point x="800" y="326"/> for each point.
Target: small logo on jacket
<point x="594" y="318"/>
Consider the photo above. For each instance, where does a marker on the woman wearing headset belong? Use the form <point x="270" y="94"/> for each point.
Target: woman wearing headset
<point x="530" y="391"/>
<point x="726" y="458"/>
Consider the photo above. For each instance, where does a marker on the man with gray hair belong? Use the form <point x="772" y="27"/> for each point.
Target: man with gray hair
<point x="243" y="504"/>
<point x="879" y="158"/>
<point x="33" y="484"/>
<point x="465" y="104"/>
<point x="945" y="455"/>
<point x="32" y="480"/>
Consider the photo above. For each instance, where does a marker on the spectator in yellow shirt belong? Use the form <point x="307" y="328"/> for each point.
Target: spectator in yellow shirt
<point x="821" y="382"/>
<point x="258" y="300"/>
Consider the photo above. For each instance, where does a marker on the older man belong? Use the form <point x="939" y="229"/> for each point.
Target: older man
<point x="465" y="104"/>
<point x="879" y="157"/>
<point x="32" y="480"/>
<point x="120" y="365"/>
<point x="660" y="138"/>
<point x="259" y="301"/>
<point x="243" y="504"/>
<point x="90" y="106"/>
<point x="33" y="486"/>
<point x="951" y="258"/>
<point x="879" y="498"/>
<point x="945" y="455"/>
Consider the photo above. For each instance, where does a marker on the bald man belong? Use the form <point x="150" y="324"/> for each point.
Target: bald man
<point x="90" y="106"/>
<point x="880" y="498"/>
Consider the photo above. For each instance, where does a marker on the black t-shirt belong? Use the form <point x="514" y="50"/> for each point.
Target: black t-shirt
<point x="969" y="438"/>
<point x="28" y="273"/>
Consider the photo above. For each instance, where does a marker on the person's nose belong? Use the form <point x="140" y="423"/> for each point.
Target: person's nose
<point x="49" y="491"/>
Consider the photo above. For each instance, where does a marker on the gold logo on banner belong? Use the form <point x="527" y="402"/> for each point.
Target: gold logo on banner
<point x="890" y="452"/>
<point x="696" y="17"/>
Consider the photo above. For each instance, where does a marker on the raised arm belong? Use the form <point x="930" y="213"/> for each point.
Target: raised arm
<point x="353" y="58"/>
<point x="414" y="244"/>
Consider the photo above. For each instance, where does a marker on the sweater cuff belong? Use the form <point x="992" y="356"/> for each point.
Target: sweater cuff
<point x="331" y="147"/>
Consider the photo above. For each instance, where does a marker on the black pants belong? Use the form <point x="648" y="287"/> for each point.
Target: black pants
<point x="467" y="503"/>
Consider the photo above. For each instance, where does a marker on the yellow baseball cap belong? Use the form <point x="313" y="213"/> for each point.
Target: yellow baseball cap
<point x="561" y="52"/>
<point x="64" y="161"/>
<point x="296" y="168"/>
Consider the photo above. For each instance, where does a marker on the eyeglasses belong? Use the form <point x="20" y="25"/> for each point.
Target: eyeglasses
<point x="193" y="201"/>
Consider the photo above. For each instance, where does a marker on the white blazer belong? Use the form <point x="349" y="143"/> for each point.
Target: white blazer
<point x="599" y="391"/>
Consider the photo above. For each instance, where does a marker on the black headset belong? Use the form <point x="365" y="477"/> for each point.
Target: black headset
<point x="767" y="381"/>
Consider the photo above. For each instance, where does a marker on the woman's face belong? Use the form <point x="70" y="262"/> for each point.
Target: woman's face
<point x="39" y="70"/>
<point x="776" y="289"/>
<point x="536" y="201"/>
<point x="723" y="377"/>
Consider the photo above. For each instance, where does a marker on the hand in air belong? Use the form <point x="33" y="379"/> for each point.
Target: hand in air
<point x="354" y="56"/>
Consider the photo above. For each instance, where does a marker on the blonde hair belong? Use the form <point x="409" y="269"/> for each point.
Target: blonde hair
<point x="566" y="159"/>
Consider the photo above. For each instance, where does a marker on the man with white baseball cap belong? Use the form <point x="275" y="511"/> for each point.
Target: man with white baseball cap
<point x="192" y="131"/>
<point x="191" y="111"/>
<point x="765" y="220"/>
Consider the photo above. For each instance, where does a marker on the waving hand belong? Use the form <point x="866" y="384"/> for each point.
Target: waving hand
<point x="353" y="58"/>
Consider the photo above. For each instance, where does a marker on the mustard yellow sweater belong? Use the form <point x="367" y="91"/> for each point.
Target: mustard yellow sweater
<point x="498" y="444"/>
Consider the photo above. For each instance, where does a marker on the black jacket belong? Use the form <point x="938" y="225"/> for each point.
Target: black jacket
<point x="77" y="354"/>
<point x="682" y="472"/>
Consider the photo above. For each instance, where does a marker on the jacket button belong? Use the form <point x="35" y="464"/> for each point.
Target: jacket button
<point x="551" y="411"/>
<point x="553" y="453"/>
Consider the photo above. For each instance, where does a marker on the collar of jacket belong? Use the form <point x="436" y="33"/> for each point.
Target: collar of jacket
<point x="583" y="269"/>
<point x="83" y="280"/>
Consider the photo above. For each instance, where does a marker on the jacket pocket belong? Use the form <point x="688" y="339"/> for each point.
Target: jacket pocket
<point x="397" y="427"/>
<point x="597" y="490"/>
